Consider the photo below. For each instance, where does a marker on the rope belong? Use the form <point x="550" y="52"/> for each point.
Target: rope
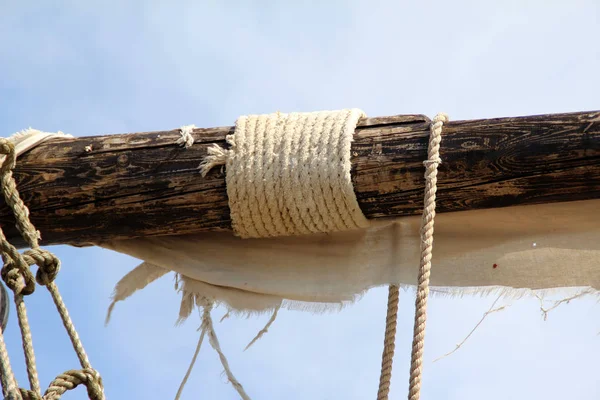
<point x="389" y="346"/>
<point x="4" y="307"/>
<point x="186" y="140"/>
<point x="68" y="380"/>
<point x="68" y="324"/>
<point x="11" y="194"/>
<point x="207" y="325"/>
<point x="191" y="366"/>
<point x="18" y="277"/>
<point x="9" y="383"/>
<point x="27" y="340"/>
<point x="207" y="328"/>
<point x="289" y="174"/>
<point x="431" y="169"/>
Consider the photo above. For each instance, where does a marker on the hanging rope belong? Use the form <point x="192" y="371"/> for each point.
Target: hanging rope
<point x="431" y="169"/>
<point x="208" y="329"/>
<point x="389" y="344"/>
<point x="18" y="277"/>
<point x="431" y="166"/>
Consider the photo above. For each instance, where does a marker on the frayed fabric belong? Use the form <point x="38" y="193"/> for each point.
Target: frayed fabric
<point x="137" y="279"/>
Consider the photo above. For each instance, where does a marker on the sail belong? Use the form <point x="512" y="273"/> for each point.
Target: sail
<point x="512" y="250"/>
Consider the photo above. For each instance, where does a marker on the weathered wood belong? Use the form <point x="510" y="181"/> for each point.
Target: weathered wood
<point x="144" y="184"/>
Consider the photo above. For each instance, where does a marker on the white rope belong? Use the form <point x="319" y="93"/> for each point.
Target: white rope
<point x="191" y="366"/>
<point x="207" y="326"/>
<point x="186" y="140"/>
<point x="431" y="167"/>
<point x="289" y="174"/>
<point x="385" y="377"/>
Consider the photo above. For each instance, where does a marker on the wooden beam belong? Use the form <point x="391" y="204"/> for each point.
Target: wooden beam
<point x="130" y="185"/>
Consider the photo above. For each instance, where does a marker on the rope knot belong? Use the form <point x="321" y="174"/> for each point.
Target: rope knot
<point x="17" y="276"/>
<point x="69" y="380"/>
<point x="186" y="140"/>
<point x="95" y="387"/>
<point x="48" y="264"/>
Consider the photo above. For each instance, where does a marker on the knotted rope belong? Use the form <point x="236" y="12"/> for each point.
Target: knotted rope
<point x="186" y="140"/>
<point x="431" y="167"/>
<point x="18" y="277"/>
<point x="289" y="174"/>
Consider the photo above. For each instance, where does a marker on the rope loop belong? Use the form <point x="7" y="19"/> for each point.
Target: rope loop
<point x="69" y="380"/>
<point x="18" y="276"/>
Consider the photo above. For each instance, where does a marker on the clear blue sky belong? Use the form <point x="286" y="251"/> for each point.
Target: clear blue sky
<point x="91" y="67"/>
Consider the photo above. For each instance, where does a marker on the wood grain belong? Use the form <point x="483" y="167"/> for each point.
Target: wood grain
<point x="138" y="184"/>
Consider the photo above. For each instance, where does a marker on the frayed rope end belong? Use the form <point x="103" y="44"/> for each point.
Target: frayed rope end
<point x="216" y="156"/>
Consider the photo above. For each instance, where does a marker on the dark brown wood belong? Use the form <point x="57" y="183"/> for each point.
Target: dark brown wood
<point x="132" y="185"/>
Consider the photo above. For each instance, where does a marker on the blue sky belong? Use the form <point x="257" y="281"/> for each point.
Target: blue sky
<point x="92" y="67"/>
